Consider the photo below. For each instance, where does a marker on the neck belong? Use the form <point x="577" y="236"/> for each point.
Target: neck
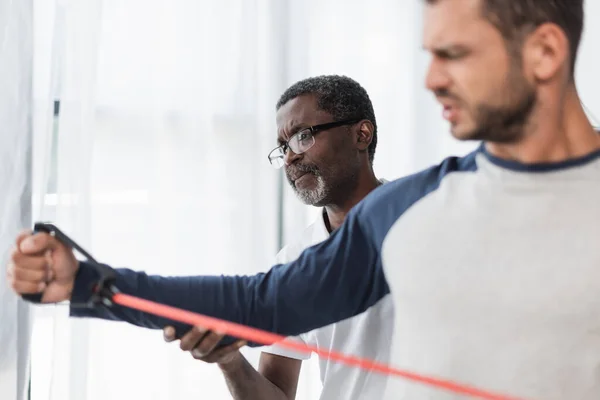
<point x="336" y="213"/>
<point x="556" y="132"/>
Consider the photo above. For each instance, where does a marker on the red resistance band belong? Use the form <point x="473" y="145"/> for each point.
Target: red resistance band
<point x="268" y="338"/>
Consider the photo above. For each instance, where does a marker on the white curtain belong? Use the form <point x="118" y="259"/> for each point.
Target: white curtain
<point x="157" y="160"/>
<point x="15" y="180"/>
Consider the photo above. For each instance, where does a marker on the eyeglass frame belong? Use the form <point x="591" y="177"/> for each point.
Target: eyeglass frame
<point x="313" y="131"/>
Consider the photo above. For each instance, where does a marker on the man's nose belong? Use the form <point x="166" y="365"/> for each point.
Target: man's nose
<point x="436" y="79"/>
<point x="290" y="157"/>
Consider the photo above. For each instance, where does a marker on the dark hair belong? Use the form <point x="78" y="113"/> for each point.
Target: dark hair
<point x="513" y="18"/>
<point x="340" y="96"/>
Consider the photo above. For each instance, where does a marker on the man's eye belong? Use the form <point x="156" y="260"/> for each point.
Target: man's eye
<point x="303" y="136"/>
<point x="455" y="56"/>
<point x="451" y="54"/>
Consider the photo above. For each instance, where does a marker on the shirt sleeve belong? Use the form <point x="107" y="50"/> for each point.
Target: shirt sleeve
<point x="282" y="351"/>
<point x="331" y="281"/>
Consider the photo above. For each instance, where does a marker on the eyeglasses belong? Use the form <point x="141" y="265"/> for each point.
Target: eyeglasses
<point x="303" y="140"/>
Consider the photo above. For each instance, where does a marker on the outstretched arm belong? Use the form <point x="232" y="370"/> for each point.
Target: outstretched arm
<point x="334" y="280"/>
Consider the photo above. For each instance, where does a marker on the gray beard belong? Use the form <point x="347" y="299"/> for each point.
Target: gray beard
<point x="316" y="196"/>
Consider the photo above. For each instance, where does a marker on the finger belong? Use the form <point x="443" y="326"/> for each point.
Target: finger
<point x="191" y="339"/>
<point x="38" y="243"/>
<point x="24" y="261"/>
<point x="29" y="275"/>
<point x="218" y="354"/>
<point x="24" y="287"/>
<point x="22" y="235"/>
<point x="169" y="334"/>
<point x="207" y="344"/>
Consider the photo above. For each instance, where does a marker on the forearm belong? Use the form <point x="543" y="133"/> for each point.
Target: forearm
<point x="246" y="383"/>
<point x="208" y="295"/>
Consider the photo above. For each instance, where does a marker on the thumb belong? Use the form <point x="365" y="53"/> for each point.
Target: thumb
<point x="169" y="334"/>
<point x="37" y="243"/>
<point x="22" y="236"/>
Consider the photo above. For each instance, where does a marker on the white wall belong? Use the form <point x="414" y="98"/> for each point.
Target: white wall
<point x="588" y="63"/>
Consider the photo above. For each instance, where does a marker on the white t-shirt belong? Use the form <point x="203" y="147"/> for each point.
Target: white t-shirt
<point x="366" y="335"/>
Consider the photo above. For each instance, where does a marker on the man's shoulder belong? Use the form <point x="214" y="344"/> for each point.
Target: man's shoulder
<point x="382" y="207"/>
<point x="421" y="183"/>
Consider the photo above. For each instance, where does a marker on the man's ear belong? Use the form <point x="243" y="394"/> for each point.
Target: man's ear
<point x="546" y="52"/>
<point x="364" y="135"/>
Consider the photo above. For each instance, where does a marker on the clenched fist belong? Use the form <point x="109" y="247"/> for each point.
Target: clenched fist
<point x="40" y="263"/>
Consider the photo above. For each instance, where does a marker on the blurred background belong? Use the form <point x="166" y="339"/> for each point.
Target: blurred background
<point x="142" y="128"/>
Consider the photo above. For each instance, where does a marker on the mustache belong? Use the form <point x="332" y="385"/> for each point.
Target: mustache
<point x="445" y="94"/>
<point x="300" y="169"/>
